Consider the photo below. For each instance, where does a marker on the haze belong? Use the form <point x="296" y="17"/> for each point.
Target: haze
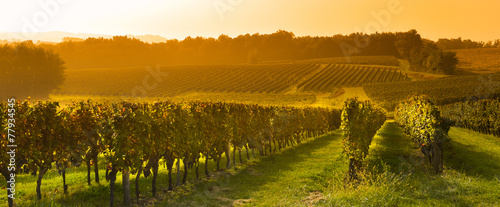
<point x="210" y="18"/>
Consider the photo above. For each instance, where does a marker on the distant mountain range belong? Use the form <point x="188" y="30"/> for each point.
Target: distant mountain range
<point x="58" y="36"/>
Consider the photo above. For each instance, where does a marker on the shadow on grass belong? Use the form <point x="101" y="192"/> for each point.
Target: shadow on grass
<point x="257" y="174"/>
<point x="392" y="153"/>
<point x="393" y="148"/>
<point x="469" y="157"/>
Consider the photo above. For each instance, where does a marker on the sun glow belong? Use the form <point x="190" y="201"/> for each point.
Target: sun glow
<point x="210" y="18"/>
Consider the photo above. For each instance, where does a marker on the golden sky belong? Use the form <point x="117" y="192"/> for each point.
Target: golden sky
<point x="476" y="20"/>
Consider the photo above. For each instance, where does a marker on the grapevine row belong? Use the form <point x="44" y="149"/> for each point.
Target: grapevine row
<point x="133" y="137"/>
<point x="360" y="122"/>
<point x="482" y="116"/>
<point x="349" y="75"/>
<point x="420" y="119"/>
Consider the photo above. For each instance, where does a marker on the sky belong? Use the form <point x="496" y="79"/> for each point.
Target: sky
<point x="476" y="20"/>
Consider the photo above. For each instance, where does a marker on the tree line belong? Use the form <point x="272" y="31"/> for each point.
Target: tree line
<point x="121" y="51"/>
<point x="459" y="43"/>
<point x="29" y="70"/>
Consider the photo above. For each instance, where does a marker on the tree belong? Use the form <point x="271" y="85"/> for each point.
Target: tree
<point x="424" y="55"/>
<point x="409" y="44"/>
<point x="27" y="70"/>
<point x="449" y="62"/>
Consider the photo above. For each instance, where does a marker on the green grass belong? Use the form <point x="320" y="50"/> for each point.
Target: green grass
<point x="313" y="174"/>
<point x="80" y="194"/>
<point x="401" y="176"/>
<point x="290" y="178"/>
<point x="474" y="153"/>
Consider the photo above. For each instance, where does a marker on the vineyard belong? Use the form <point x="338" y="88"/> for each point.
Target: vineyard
<point x="333" y="76"/>
<point x="263" y="79"/>
<point x="442" y="91"/>
<point x="482" y="116"/>
<point x="358" y="60"/>
<point x="134" y="137"/>
<point x="422" y="121"/>
<point x="175" y="80"/>
<point x="149" y="144"/>
<point x="360" y="122"/>
<point x="165" y="150"/>
<point x="479" y="60"/>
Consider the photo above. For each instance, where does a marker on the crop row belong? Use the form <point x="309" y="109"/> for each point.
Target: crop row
<point x="333" y="76"/>
<point x="174" y="80"/>
<point x="360" y="122"/>
<point x="441" y="91"/>
<point x="359" y="60"/>
<point x="482" y="115"/>
<point x="420" y="119"/>
<point x="134" y="137"/>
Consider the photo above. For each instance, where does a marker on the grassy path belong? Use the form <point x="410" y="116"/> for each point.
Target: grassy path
<point x="474" y="153"/>
<point x="313" y="174"/>
<point x="404" y="177"/>
<point x="295" y="177"/>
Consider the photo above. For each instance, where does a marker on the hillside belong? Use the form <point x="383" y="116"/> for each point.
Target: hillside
<point x="179" y="81"/>
<point x="478" y="60"/>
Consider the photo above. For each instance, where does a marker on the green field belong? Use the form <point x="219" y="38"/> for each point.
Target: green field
<point x="313" y="174"/>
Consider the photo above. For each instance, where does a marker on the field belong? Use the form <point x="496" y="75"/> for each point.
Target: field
<point x="228" y="103"/>
<point x="334" y="76"/>
<point x="442" y="91"/>
<point x="283" y="99"/>
<point x="358" y="60"/>
<point x="311" y="174"/>
<point x="228" y="82"/>
<point x="480" y="60"/>
<point x="176" y="80"/>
